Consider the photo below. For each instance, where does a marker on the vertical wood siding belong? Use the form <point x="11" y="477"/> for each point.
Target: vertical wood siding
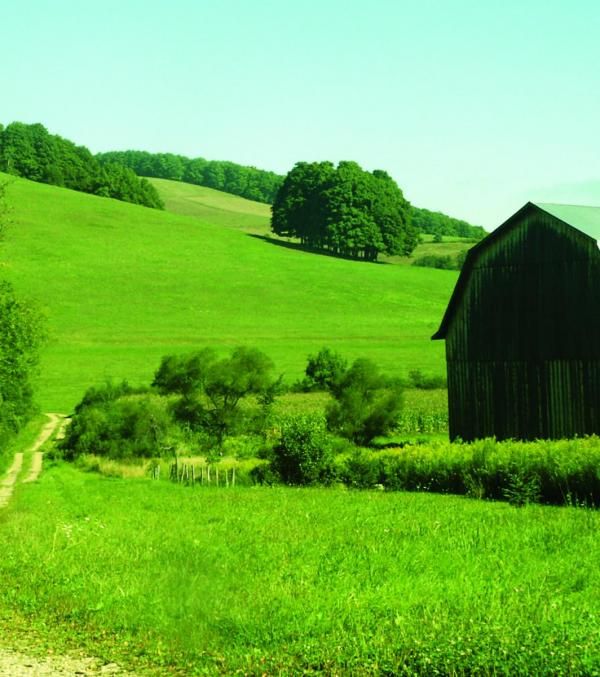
<point x="523" y="347"/>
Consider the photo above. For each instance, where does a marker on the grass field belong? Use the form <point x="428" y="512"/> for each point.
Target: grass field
<point x="214" y="206"/>
<point x="123" y="285"/>
<point x="286" y="581"/>
<point x="253" y="217"/>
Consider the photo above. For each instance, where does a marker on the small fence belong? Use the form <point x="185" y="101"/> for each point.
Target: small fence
<point x="203" y="475"/>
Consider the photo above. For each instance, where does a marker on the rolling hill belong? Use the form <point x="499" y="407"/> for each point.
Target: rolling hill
<point x="214" y="206"/>
<point x="229" y="210"/>
<point x="123" y="285"/>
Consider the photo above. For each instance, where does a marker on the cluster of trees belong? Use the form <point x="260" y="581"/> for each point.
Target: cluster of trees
<point x="31" y="152"/>
<point x="344" y="210"/>
<point x="248" y="182"/>
<point x="436" y="223"/>
<point x="21" y="334"/>
<point x="200" y="401"/>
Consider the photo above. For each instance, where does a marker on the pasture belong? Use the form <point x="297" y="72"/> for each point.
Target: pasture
<point x="123" y="285"/>
<point x="281" y="580"/>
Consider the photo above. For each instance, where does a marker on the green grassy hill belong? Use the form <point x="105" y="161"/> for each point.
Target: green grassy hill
<point x="214" y="206"/>
<point x="123" y="285"/>
<point x="229" y="210"/>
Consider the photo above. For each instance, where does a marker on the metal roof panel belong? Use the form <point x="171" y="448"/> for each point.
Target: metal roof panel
<point x="585" y="219"/>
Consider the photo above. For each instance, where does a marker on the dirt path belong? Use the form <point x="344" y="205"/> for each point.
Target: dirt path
<point x="7" y="484"/>
<point x="16" y="664"/>
<point x="37" y="460"/>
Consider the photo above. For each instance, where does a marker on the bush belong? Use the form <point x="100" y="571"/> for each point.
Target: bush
<point x="121" y="428"/>
<point x="304" y="454"/>
<point x="212" y="391"/>
<point x="441" y="261"/>
<point x="562" y="472"/>
<point x="323" y="370"/>
<point x="417" y="379"/>
<point x="367" y="404"/>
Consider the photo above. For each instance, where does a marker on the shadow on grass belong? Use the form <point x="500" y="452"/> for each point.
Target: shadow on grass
<point x="303" y="248"/>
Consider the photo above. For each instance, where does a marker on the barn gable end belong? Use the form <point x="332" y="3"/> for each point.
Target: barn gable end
<point x="522" y="329"/>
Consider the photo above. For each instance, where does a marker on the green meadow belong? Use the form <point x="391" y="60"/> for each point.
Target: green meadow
<point x="171" y="579"/>
<point x="123" y="285"/>
<point x="282" y="581"/>
<point x="214" y="206"/>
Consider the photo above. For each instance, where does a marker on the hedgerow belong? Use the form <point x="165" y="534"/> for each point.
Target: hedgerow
<point x="554" y="472"/>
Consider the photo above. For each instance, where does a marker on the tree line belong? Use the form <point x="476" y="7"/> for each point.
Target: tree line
<point x="436" y="223"/>
<point x="257" y="184"/>
<point x="249" y="182"/>
<point x="344" y="210"/>
<point x="32" y="152"/>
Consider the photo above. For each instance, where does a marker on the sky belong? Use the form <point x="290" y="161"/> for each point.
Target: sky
<point x="473" y="106"/>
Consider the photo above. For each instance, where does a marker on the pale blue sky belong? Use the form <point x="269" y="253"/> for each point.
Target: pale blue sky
<point x="474" y="107"/>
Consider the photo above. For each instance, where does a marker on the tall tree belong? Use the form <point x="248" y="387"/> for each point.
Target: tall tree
<point x="345" y="210"/>
<point x="20" y="338"/>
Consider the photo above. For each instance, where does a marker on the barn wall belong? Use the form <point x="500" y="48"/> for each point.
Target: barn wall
<point x="523" y="347"/>
<point x="524" y="400"/>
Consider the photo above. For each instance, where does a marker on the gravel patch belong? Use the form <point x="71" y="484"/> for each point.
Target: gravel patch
<point x="16" y="664"/>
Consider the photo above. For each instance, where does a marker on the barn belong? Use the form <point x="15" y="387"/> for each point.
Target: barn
<point x="522" y="328"/>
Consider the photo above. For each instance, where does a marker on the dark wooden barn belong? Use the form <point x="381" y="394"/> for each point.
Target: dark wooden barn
<point x="522" y="329"/>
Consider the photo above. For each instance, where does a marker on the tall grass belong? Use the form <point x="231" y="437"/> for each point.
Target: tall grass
<point x="299" y="581"/>
<point x="555" y="472"/>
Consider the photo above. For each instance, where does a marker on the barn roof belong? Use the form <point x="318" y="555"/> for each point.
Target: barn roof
<point x="583" y="218"/>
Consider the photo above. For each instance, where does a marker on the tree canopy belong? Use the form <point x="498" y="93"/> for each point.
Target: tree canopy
<point x="249" y="182"/>
<point x="32" y="152"/>
<point x="344" y="210"/>
<point x="20" y="338"/>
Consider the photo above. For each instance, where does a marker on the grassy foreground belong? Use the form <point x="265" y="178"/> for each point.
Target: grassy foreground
<point x="281" y="581"/>
<point x="123" y="285"/>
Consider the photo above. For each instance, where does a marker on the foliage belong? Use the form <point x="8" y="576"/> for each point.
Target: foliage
<point x="212" y="390"/>
<point x="121" y="427"/>
<point x="293" y="581"/>
<point x="322" y="371"/>
<point x="417" y="379"/>
<point x="248" y="182"/>
<point x="109" y="391"/>
<point x="21" y="335"/>
<point x="31" y="152"/>
<point x="563" y="472"/>
<point x="441" y="261"/>
<point x="304" y="454"/>
<point x="366" y="404"/>
<point x="344" y="210"/>
<point x="436" y="223"/>
<point x="184" y="374"/>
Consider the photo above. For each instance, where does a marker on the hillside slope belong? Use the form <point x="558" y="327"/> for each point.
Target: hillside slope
<point x="214" y="206"/>
<point x="229" y="210"/>
<point x="123" y="285"/>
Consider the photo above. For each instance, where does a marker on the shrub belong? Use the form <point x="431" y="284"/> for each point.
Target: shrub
<point x="212" y="390"/>
<point x="561" y="472"/>
<point x="441" y="261"/>
<point x="323" y="370"/>
<point x="304" y="454"/>
<point x="366" y="403"/>
<point x="417" y="379"/>
<point x="107" y="392"/>
<point x="125" y="427"/>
